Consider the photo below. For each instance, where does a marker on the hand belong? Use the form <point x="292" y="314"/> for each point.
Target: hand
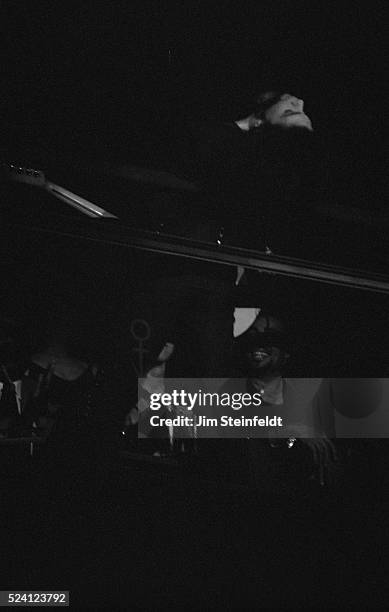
<point x="132" y="418"/>
<point x="324" y="457"/>
<point x="153" y="382"/>
<point x="322" y="449"/>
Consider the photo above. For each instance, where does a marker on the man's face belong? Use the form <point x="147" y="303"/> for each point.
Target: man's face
<point x="288" y="112"/>
<point x="264" y="359"/>
<point x="262" y="345"/>
<point x="262" y="356"/>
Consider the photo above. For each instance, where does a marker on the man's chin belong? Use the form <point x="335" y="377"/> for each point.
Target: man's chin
<point x="297" y="121"/>
<point x="258" y="367"/>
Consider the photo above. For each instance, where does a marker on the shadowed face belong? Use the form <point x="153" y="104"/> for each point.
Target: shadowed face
<point x="263" y="347"/>
<point x="286" y="112"/>
<point x="264" y="359"/>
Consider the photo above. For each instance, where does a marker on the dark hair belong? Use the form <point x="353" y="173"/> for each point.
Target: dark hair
<point x="264" y="101"/>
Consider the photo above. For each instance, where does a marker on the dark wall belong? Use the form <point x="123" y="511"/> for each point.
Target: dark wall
<point x="110" y="78"/>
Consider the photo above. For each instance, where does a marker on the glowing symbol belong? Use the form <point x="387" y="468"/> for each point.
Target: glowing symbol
<point x="140" y="331"/>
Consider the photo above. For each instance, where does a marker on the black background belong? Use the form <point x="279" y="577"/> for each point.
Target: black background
<point x="109" y="78"/>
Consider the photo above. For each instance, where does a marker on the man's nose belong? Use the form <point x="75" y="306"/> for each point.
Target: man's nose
<point x="297" y="103"/>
